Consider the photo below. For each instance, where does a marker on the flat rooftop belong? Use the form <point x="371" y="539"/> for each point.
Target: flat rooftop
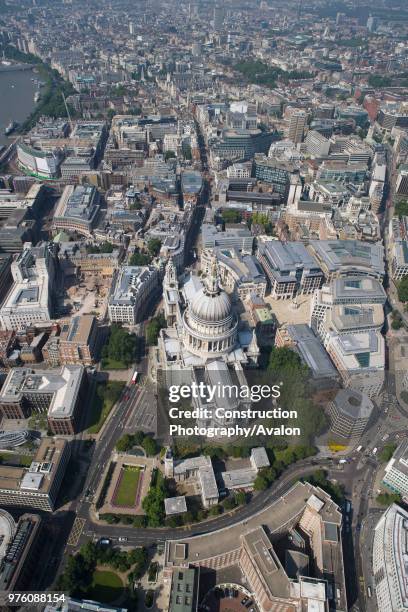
<point x="39" y="476"/>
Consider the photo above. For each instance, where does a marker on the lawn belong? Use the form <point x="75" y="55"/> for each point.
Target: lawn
<point x="112" y="364"/>
<point x="105" y="397"/>
<point x="106" y="587"/>
<point x="125" y="494"/>
<point x="16" y="459"/>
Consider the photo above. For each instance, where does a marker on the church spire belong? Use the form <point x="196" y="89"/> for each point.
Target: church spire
<point x="212" y="285"/>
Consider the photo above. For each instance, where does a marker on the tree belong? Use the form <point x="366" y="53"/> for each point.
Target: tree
<point x="403" y="290"/>
<point x="138" y="558"/>
<point x="124" y="444"/>
<point x="260" y="483"/>
<point x="401" y="208"/>
<point x="386" y="499"/>
<point x="153" y="503"/>
<point x="77" y="574"/>
<point x="231" y="216"/>
<point x="154" y="246"/>
<point x="215" y="510"/>
<point x="150" y="446"/>
<point x="111" y="519"/>
<point x="139" y="521"/>
<point x="283" y="358"/>
<point x="121" y="346"/>
<point x="139" y="259"/>
<point x="174" y="521"/>
<point x="153" y="329"/>
<point x="319" y="479"/>
<point x="387" y="452"/>
<point x="229" y="503"/>
<point x="169" y="155"/>
<point x="240" y="498"/>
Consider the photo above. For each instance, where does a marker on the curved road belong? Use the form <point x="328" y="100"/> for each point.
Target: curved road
<point x="259" y="502"/>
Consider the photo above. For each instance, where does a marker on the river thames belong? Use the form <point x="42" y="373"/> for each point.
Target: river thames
<point x="16" y="98"/>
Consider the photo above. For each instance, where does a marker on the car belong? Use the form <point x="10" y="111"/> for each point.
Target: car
<point x="104" y="542"/>
<point x="235" y="593"/>
<point x="123" y="539"/>
<point x="222" y="593"/>
<point x="243" y="601"/>
<point x="249" y="603"/>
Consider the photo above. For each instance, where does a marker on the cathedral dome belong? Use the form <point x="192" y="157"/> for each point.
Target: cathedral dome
<point x="210" y="325"/>
<point x="211" y="306"/>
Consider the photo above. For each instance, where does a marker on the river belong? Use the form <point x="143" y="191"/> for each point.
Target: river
<point x="16" y="98"/>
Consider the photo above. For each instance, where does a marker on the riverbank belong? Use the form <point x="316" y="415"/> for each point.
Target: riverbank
<point x="51" y="102"/>
<point x="17" y="91"/>
<point x="12" y="67"/>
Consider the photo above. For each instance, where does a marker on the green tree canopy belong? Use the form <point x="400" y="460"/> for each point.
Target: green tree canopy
<point x="154" y="246"/>
<point x="403" y="289"/>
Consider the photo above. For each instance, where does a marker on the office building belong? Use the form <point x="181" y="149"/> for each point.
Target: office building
<point x="38" y="485"/>
<point x="79" y="340"/>
<point x="349" y="414"/>
<point x="289" y="555"/>
<point x="73" y="167"/>
<point x="239" y="145"/>
<point x="290" y="268"/>
<point x="57" y="394"/>
<point x="296" y="125"/>
<point x="392" y="115"/>
<point x="184" y="586"/>
<point x="77" y="210"/>
<point x="390" y="551"/>
<point x="132" y="289"/>
<point x="41" y="164"/>
<point x="238" y="237"/>
<point x="275" y="172"/>
<point x="396" y="471"/>
<point x="360" y="359"/>
<point x="399" y="247"/>
<point x="401" y="188"/>
<point x="348" y="258"/>
<point x="20" y="546"/>
<point x="31" y="297"/>
<point x="302" y="339"/>
<point x="316" y="144"/>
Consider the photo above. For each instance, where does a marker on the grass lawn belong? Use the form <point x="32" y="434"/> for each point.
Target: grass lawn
<point x="105" y="396"/>
<point x="106" y="586"/>
<point x="126" y="492"/>
<point x="112" y="364"/>
<point x="16" y="459"/>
